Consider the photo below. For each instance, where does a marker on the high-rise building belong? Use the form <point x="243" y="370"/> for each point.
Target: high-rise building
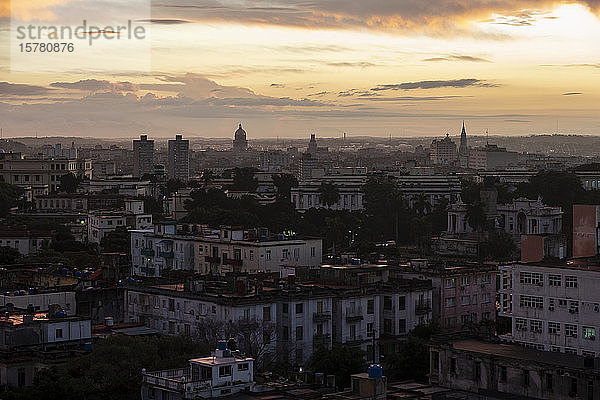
<point x="143" y="156"/>
<point x="179" y="159"/>
<point x="240" y="142"/>
<point x="312" y="145"/>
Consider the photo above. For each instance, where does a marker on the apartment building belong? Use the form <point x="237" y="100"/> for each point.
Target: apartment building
<point x="24" y="240"/>
<point x="552" y="306"/>
<point x="102" y="222"/>
<point x="218" y="251"/>
<point x="179" y="159"/>
<point x="40" y="176"/>
<point x="507" y="371"/>
<point x="292" y="319"/>
<point x="463" y="293"/>
<point x="143" y="156"/>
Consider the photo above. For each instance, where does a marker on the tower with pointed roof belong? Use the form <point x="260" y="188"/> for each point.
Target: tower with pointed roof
<point x="463" y="150"/>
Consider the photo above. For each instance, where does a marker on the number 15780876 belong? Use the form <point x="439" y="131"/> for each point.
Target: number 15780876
<point x="37" y="47"/>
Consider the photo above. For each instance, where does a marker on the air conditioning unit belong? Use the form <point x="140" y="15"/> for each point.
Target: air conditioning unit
<point x="551" y="308"/>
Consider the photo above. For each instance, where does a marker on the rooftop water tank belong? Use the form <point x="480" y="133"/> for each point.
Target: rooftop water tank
<point x="375" y="371"/>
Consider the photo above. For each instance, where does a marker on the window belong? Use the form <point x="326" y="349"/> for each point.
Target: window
<point x="402" y="303"/>
<point x="243" y="367"/>
<point x="387" y="303"/>
<point x="299" y="333"/>
<point x="402" y="326"/>
<point x="59" y="333"/>
<point x="370" y="329"/>
<point x="477" y="371"/>
<point x="284" y="254"/>
<point x="521" y="324"/>
<point x="554" y="328"/>
<point x="531" y="278"/>
<point x="171" y="305"/>
<point x="487" y="278"/>
<point x="571" y="281"/>
<point x="450" y="282"/>
<point x="251" y="255"/>
<point x="225" y="370"/>
<point x="525" y="378"/>
<point x="573" y="307"/>
<point x="551" y="304"/>
<point x="371" y="306"/>
<point x="266" y="313"/>
<point x="285" y="308"/>
<point x="531" y="301"/>
<point x="299" y="308"/>
<point x="286" y="333"/>
<point x="485" y="298"/>
<point x="573" y="390"/>
<point x="268" y="255"/>
<point x="570" y="330"/>
<point x="453" y="365"/>
<point x="465" y="280"/>
<point x="589" y="333"/>
<point x="435" y="360"/>
<point x="450" y="301"/>
<point x="535" y="325"/>
<point x="554" y="280"/>
<point x="387" y="326"/>
<point x="503" y="373"/>
<point x="465" y="300"/>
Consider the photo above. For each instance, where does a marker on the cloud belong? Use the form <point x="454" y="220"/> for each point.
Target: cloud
<point x="572" y="93"/>
<point x="414" y="98"/>
<point x="164" y="21"/>
<point x="277" y="85"/>
<point x="19" y="89"/>
<point x="360" y="64"/>
<point x="455" y="83"/>
<point x="457" y="58"/>
<point x="445" y="17"/>
<point x="95" y="85"/>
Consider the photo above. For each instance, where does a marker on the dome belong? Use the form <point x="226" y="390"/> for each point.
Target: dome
<point x="240" y="133"/>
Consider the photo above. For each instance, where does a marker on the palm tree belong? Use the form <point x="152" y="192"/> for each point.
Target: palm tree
<point x="421" y="205"/>
<point x="329" y="194"/>
<point x="207" y="177"/>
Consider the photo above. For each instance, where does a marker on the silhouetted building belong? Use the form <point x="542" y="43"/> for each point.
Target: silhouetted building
<point x="143" y="156"/>
<point x="463" y="151"/>
<point x="179" y="159"/>
<point x="240" y="142"/>
<point x="443" y="151"/>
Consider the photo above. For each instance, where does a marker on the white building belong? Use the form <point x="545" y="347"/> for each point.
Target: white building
<point x="349" y="186"/>
<point x="123" y="186"/>
<point x="553" y="306"/>
<point x="224" y="373"/>
<point x="23" y="240"/>
<point x="289" y="322"/>
<point x="102" y="222"/>
<point x="218" y="251"/>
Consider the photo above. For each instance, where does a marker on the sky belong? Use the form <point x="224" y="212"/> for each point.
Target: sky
<point x="287" y="68"/>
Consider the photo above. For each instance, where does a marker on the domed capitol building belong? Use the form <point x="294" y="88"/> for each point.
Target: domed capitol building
<point x="240" y="143"/>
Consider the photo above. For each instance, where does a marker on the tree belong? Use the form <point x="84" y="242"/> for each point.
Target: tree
<point x="113" y="370"/>
<point x="421" y="205"/>
<point x="173" y="185"/>
<point x="117" y="241"/>
<point x="8" y="255"/>
<point x="329" y="194"/>
<point x="207" y="177"/>
<point x="9" y="197"/>
<point x="69" y="183"/>
<point x="284" y="184"/>
<point x="499" y="246"/>
<point x="244" y="180"/>
<point x="476" y="216"/>
<point x="341" y="361"/>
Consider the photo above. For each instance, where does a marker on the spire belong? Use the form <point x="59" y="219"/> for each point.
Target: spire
<point x="464" y="132"/>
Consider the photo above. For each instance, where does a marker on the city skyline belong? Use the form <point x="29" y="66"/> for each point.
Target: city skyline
<point x="288" y="69"/>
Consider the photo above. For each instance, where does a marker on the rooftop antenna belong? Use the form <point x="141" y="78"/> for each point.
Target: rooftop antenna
<point x="1" y="133"/>
<point x="487" y="137"/>
<point x="557" y="130"/>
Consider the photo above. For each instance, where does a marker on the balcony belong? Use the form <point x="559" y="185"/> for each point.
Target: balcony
<point x="323" y="339"/>
<point x="422" y="307"/>
<point x="322" y="316"/>
<point x="233" y="262"/>
<point x="166" y="254"/>
<point x="147" y="252"/>
<point x="354" y="340"/>
<point x="178" y="380"/>
<point x="212" y="260"/>
<point x="354" y="314"/>
<point x="148" y="271"/>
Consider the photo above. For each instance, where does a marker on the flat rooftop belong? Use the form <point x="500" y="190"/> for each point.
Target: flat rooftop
<point x="581" y="264"/>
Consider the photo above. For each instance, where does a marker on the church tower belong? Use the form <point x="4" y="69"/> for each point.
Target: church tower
<point x="463" y="151"/>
